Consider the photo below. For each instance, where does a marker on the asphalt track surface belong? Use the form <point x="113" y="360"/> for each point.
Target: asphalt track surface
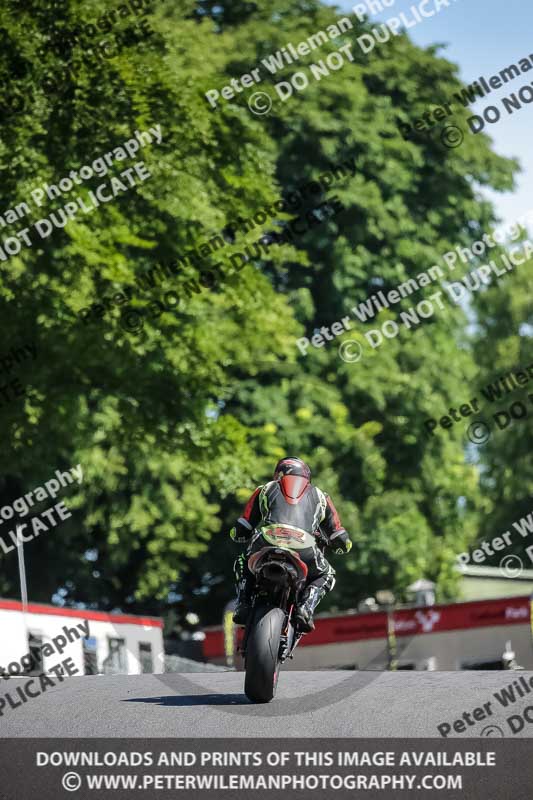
<point x="212" y="704"/>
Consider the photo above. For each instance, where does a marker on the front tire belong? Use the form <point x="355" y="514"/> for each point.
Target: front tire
<point x="262" y="650"/>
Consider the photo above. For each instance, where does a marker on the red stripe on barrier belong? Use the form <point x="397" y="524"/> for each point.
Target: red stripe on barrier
<point x="407" y="622"/>
<point x="96" y="616"/>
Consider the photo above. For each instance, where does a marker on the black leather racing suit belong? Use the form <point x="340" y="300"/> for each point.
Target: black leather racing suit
<point x="313" y="513"/>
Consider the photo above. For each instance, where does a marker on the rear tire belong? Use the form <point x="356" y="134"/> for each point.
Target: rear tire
<point x="262" y="649"/>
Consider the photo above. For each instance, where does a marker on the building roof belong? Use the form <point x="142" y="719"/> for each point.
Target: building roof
<point x="471" y="571"/>
<point x="95" y="616"/>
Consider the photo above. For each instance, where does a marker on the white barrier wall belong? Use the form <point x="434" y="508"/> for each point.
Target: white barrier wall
<point x="64" y="630"/>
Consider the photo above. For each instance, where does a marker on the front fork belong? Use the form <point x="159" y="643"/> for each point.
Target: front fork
<point x="290" y="637"/>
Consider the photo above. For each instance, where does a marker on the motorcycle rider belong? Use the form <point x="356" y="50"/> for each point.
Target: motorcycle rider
<point x="290" y="499"/>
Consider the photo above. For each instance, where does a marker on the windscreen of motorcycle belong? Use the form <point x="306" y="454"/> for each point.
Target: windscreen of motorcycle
<point x="288" y="537"/>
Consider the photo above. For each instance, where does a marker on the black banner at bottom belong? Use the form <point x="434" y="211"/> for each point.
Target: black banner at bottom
<point x="205" y="769"/>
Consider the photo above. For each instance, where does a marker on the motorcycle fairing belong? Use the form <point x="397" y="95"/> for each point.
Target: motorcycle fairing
<point x="255" y="560"/>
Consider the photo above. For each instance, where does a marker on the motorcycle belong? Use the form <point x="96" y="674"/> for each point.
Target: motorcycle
<point x="271" y="634"/>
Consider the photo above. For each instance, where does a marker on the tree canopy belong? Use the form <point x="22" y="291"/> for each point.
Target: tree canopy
<point x="177" y="415"/>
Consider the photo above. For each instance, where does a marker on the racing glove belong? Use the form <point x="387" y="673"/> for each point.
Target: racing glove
<point x="242" y="531"/>
<point x="340" y="542"/>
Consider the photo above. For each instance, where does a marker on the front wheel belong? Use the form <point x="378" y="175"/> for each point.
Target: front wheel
<point x="262" y="654"/>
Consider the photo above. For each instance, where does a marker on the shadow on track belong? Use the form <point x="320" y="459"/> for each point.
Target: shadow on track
<point x="189" y="693"/>
<point x="194" y="700"/>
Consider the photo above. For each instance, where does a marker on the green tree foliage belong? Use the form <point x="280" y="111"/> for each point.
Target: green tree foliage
<point x="503" y="346"/>
<point x="411" y="501"/>
<point x="174" y="426"/>
<point x="140" y="413"/>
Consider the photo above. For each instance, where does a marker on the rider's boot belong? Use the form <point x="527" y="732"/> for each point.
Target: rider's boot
<point x="244" y="601"/>
<point x="310" y="599"/>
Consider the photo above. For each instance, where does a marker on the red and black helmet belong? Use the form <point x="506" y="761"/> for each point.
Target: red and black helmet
<point x="294" y="477"/>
